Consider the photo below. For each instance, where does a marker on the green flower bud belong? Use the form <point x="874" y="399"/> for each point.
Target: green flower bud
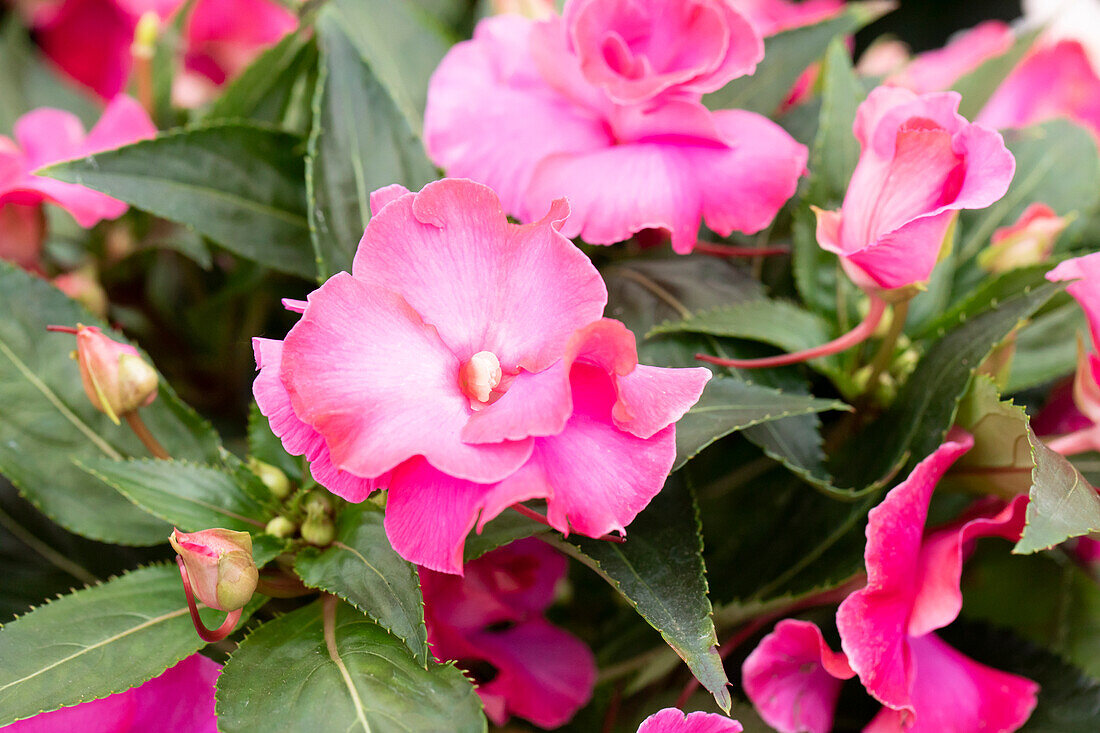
<point x="274" y="479"/>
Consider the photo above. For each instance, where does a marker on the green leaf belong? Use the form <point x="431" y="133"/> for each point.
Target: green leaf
<point x="918" y="420"/>
<point x="1046" y="348"/>
<point x="362" y="568"/>
<point x="241" y="185"/>
<point x="96" y="642"/>
<point x="1056" y="164"/>
<point x="660" y="571"/>
<point x="835" y="150"/>
<point x="47" y="420"/>
<point x="1062" y="505"/>
<point x="300" y="672"/>
<point x="266" y="446"/>
<point x="787" y="55"/>
<point x="188" y="496"/>
<point x="989" y="292"/>
<point x="978" y="86"/>
<point x="401" y="44"/>
<point x="728" y="405"/>
<point x="361" y="141"/>
<point x="275" y="88"/>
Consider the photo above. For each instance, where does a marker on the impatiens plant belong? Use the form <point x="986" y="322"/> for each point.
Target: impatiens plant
<point x="648" y="366"/>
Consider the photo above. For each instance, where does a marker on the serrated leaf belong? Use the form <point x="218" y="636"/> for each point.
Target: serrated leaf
<point x="362" y="568"/>
<point x="360" y="142"/>
<point x="47" y="419"/>
<point x="989" y="292"/>
<point x="660" y="570"/>
<point x="728" y="405"/>
<point x="786" y="56"/>
<point x="835" y="150"/>
<point x="95" y="642"/>
<point x="275" y="88"/>
<point x="188" y="496"/>
<point x="242" y="185"/>
<point x="290" y="675"/>
<point x="1000" y="462"/>
<point x="1062" y="505"/>
<point x="1056" y="164"/>
<point x="918" y="420"/>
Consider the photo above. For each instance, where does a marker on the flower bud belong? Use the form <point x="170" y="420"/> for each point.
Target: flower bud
<point x="219" y="565"/>
<point x="318" y="529"/>
<point x="281" y="527"/>
<point x="271" y="477"/>
<point x="318" y="502"/>
<point x="1027" y="242"/>
<point x="115" y="377"/>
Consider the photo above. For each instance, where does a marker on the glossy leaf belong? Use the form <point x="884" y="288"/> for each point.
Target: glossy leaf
<point x="362" y="568"/>
<point x="298" y="672"/>
<point x="360" y="142"/>
<point x="47" y="420"/>
<point x="660" y="571"/>
<point x="241" y="185"/>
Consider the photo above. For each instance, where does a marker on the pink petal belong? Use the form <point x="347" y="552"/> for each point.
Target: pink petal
<point x="297" y="437"/>
<point x="652" y="398"/>
<point x="873" y="622"/>
<point x="367" y="373"/>
<point x="483" y="283"/>
<point x="1085" y="274"/>
<point x="954" y="694"/>
<point x="671" y="720"/>
<point x="906" y="255"/>
<point x="939" y="597"/>
<point x="224" y="36"/>
<point x="529" y="119"/>
<point x="47" y="135"/>
<point x="111" y="714"/>
<point x="384" y="195"/>
<point x="772" y="16"/>
<point x="90" y="41"/>
<point x="123" y="122"/>
<point x="793" y="678"/>
<point x="937" y="70"/>
<point x="534" y="405"/>
<point x="21" y="234"/>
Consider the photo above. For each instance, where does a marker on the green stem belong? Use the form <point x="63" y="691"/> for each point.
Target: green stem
<point x="881" y="362"/>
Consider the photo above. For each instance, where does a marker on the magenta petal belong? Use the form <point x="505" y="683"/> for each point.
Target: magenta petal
<point x="954" y="694"/>
<point x="90" y="41"/>
<point x="123" y="122"/>
<point x="367" y="373"/>
<point x="873" y="622"/>
<point x="181" y="699"/>
<point x="483" y="283"/>
<point x="906" y="255"/>
<point x="298" y="438"/>
<point x="111" y="714"/>
<point x="793" y="678"/>
<point x="1085" y="274"/>
<point x="47" y="135"/>
<point x="672" y="720"/>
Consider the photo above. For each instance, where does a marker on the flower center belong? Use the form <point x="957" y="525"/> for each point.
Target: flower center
<point x="480" y="376"/>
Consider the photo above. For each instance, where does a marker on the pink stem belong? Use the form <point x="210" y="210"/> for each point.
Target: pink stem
<point x="1079" y="441"/>
<point x="204" y="633"/>
<point x="61" y="329"/>
<point x="732" y="250"/>
<point x="857" y="335"/>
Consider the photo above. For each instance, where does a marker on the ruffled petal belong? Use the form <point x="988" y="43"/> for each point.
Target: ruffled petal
<point x="672" y="720"/>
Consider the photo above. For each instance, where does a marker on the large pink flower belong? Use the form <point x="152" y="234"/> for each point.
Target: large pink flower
<point x="603" y="106"/>
<point x="180" y="699"/>
<point x="463" y="364"/>
<point x="491" y="622"/>
<point x="90" y="40"/>
<point x="1054" y="81"/>
<point x="673" y="720"/>
<point x="44" y="136"/>
<point x="886" y="628"/>
<point x="920" y="163"/>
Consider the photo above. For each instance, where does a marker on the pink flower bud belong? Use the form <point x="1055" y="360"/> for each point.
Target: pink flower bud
<point x="116" y="379"/>
<point x="219" y="565"/>
<point x="1027" y="242"/>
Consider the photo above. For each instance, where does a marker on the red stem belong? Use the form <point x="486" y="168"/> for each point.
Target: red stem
<point x="204" y="633"/>
<point x="61" y="329"/>
<point x="732" y="250"/>
<point x="532" y="514"/>
<point x="857" y="335"/>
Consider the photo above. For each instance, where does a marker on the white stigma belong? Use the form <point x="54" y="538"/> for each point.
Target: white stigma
<point x="481" y="375"/>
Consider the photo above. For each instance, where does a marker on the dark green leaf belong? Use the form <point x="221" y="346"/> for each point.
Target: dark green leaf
<point x="835" y="150"/>
<point x="265" y="446"/>
<point x="1063" y="504"/>
<point x="294" y="674"/>
<point x="241" y="185"/>
<point x="47" y="420"/>
<point x="977" y="86"/>
<point x="362" y="568"/>
<point x="360" y="142"/>
<point x="188" y="496"/>
<point x="990" y="292"/>
<point x="728" y="405"/>
<point x="96" y="642"/>
<point x="1056" y="164"/>
<point x="1046" y="348"/>
<point x="660" y="571"/>
<point x="786" y="56"/>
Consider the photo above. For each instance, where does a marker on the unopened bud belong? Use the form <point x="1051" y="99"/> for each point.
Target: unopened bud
<point x="219" y="565"/>
<point x="271" y="477"/>
<point x="1029" y="241"/>
<point x="318" y="530"/>
<point x="115" y="377"/>
<point x="318" y="502"/>
<point x="281" y="527"/>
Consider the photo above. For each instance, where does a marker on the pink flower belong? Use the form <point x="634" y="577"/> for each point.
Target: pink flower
<point x="1027" y="242"/>
<point x="90" y="40"/>
<point x="45" y="136"/>
<point x="491" y="622"/>
<point x="1054" y="81"/>
<point x="603" y="106"/>
<point x="774" y="16"/>
<point x="920" y="163"/>
<point x="672" y="720"/>
<point x="794" y="678"/>
<point x="913" y="588"/>
<point x="180" y="699"/>
<point x="937" y="70"/>
<point x="22" y="229"/>
<point x="463" y="364"/>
